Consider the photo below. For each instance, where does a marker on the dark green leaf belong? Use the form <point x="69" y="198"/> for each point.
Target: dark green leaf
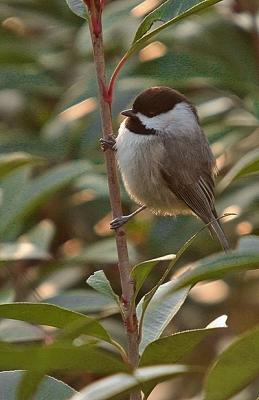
<point x="49" y="389"/>
<point x="48" y="314"/>
<point x="141" y="271"/>
<point x="172" y="349"/>
<point x="60" y="356"/>
<point x="11" y="161"/>
<point x="216" y="266"/>
<point x="122" y="384"/>
<point x="170" y="12"/>
<point x="78" y="7"/>
<point x="159" y="312"/>
<point x="247" y="165"/>
<point x="27" y="79"/>
<point x="144" y="303"/>
<point x="13" y="185"/>
<point x="103" y="252"/>
<point x="235" y="368"/>
<point x="38" y="190"/>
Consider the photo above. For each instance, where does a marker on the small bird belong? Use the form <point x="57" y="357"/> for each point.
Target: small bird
<point x="165" y="159"/>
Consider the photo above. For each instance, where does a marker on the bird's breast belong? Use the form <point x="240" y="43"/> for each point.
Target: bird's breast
<point x="139" y="158"/>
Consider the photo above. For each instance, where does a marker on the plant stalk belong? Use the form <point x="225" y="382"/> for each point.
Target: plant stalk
<point x="127" y="284"/>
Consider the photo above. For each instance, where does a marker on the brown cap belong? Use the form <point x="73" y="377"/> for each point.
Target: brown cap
<point x="157" y="100"/>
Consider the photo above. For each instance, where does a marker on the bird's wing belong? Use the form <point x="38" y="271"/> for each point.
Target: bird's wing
<point x="188" y="172"/>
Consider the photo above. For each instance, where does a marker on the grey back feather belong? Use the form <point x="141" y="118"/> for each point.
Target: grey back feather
<point x="188" y="170"/>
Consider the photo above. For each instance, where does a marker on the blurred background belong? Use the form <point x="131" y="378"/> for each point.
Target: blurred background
<point x="55" y="213"/>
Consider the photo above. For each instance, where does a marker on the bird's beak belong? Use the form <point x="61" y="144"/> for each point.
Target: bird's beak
<point x="128" y="113"/>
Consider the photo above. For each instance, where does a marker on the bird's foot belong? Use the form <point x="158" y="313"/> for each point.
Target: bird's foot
<point x="108" y="143"/>
<point x="119" y="221"/>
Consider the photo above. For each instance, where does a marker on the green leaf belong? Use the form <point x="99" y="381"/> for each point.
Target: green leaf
<point x="174" y="260"/>
<point x="142" y="270"/>
<point x="248" y="242"/>
<point x="142" y="306"/>
<point x="115" y="386"/>
<point x="216" y="266"/>
<point x="78" y="7"/>
<point x="235" y="368"/>
<point x="40" y="235"/>
<point x="48" y="314"/>
<point x="247" y="165"/>
<point x="11" y="161"/>
<point x="159" y="312"/>
<point x="35" y="192"/>
<point x="60" y="356"/>
<point x="26" y="79"/>
<point x="28" y="385"/>
<point x="84" y="301"/>
<point x="7" y="295"/>
<point x="13" y="185"/>
<point x="49" y="389"/>
<point x="20" y="332"/>
<point x="21" y="251"/>
<point x="100" y="283"/>
<point x="171" y="349"/>
<point x="103" y="252"/>
<point x="170" y="12"/>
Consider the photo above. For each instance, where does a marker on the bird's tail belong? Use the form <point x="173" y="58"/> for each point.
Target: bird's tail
<point x="216" y="228"/>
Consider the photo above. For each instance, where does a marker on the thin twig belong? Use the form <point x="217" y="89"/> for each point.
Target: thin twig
<point x="115" y="74"/>
<point x="105" y="98"/>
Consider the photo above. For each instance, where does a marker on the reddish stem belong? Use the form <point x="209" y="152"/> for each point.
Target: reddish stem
<point x="115" y="75"/>
<point x="102" y="4"/>
<point x="97" y="26"/>
<point x="127" y="285"/>
<point x="105" y="93"/>
<point x="87" y="3"/>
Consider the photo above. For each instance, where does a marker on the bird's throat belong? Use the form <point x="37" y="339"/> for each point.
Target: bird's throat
<point x="136" y="126"/>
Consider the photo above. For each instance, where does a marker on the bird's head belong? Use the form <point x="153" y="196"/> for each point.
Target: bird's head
<point x="159" y="107"/>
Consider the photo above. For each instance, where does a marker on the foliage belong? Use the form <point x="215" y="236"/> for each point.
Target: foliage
<point x="55" y="206"/>
<point x="48" y="389"/>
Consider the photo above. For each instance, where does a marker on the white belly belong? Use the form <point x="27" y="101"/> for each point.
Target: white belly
<point x="139" y="158"/>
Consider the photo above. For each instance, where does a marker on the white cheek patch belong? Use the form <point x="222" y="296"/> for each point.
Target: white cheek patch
<point x="180" y="118"/>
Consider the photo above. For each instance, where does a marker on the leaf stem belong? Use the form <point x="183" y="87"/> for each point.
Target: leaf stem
<point x="144" y="34"/>
<point x="148" y="296"/>
<point x="105" y="98"/>
<point x="116" y="73"/>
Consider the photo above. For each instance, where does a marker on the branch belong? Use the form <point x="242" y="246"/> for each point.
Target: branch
<point x="105" y="98"/>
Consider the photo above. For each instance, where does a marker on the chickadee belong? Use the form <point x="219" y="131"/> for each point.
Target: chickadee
<point x="165" y="159"/>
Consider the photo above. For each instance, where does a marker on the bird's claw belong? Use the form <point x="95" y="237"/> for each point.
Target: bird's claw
<point x="118" y="222"/>
<point x="108" y="143"/>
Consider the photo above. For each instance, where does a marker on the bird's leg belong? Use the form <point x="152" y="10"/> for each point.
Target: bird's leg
<point x="119" y="221"/>
<point x="108" y="143"/>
